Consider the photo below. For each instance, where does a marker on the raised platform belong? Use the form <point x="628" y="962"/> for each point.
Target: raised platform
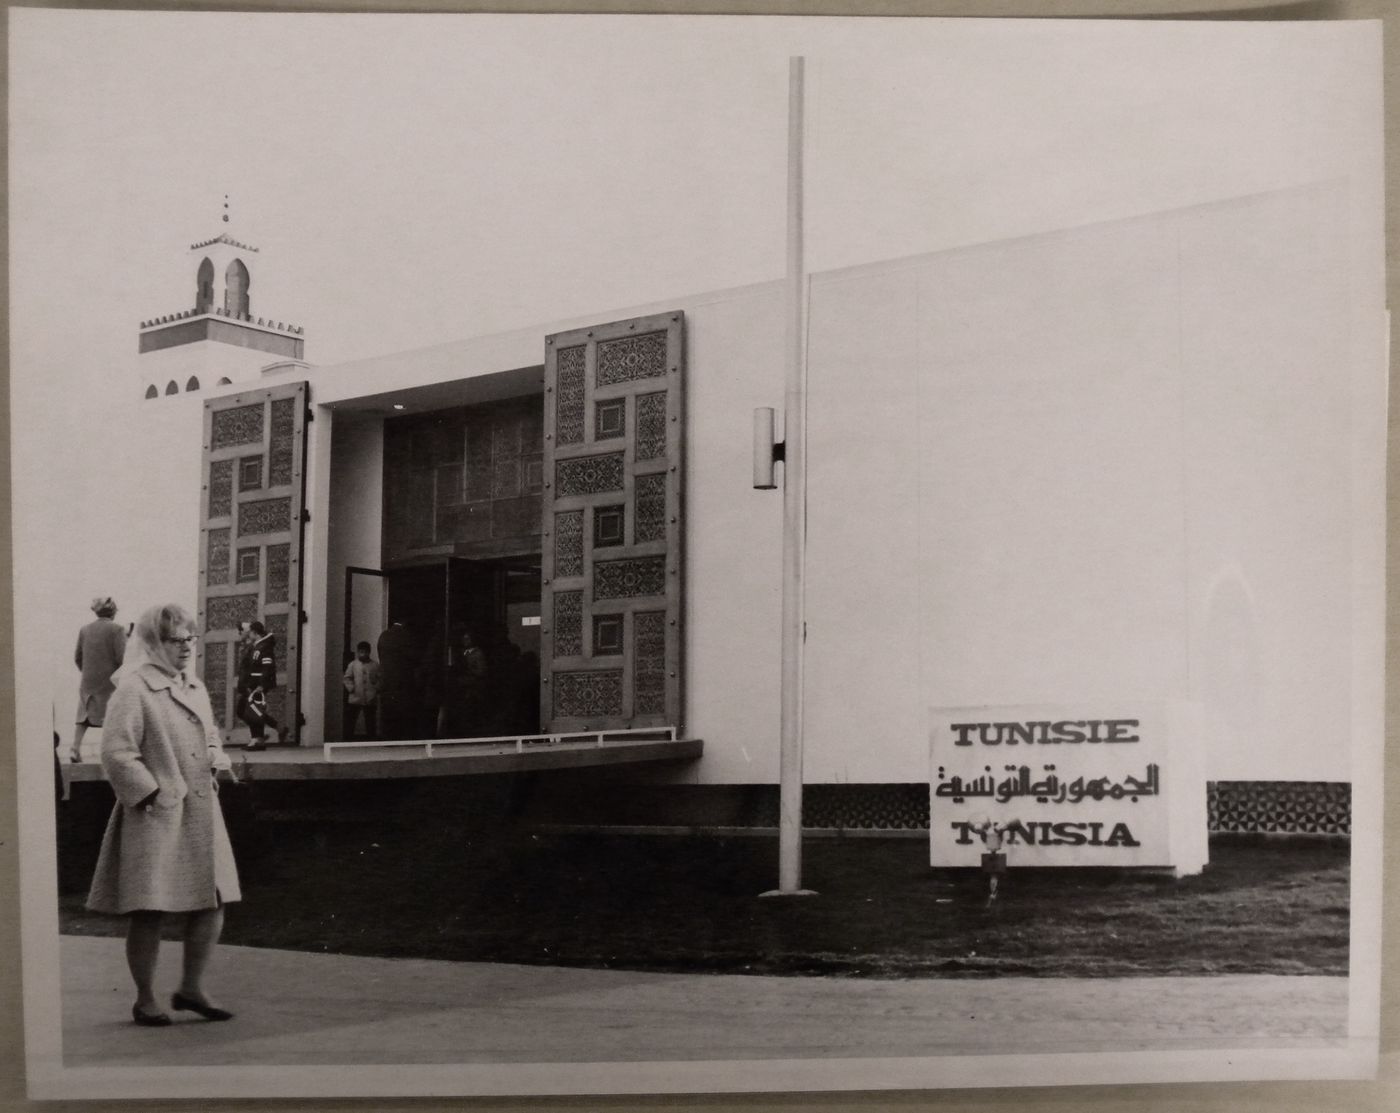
<point x="442" y="757"/>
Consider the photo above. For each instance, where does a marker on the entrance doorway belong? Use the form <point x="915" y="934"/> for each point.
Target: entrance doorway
<point x="432" y="607"/>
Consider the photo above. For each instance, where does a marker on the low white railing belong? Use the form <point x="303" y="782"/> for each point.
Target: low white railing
<point x="521" y="742"/>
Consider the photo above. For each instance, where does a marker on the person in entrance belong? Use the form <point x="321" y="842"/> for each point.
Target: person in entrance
<point x="257" y="675"/>
<point x="462" y="713"/>
<point x="361" y="693"/>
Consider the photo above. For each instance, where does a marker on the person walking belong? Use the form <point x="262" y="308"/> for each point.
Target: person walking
<point x="257" y="675"/>
<point x="361" y="693"/>
<point x="101" y="646"/>
<point x="166" y="850"/>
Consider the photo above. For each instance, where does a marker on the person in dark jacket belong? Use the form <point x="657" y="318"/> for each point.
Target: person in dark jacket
<point x="257" y="675"/>
<point x="101" y="647"/>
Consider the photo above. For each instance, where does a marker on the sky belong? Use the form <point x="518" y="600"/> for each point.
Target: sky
<point x="413" y="180"/>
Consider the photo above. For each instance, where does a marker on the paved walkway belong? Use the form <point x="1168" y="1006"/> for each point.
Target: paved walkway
<point x="304" y="1009"/>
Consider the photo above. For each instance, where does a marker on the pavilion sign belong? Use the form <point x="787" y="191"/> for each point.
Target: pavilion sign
<point x="1070" y="785"/>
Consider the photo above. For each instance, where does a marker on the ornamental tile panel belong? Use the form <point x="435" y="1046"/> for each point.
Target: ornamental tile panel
<point x="216" y="557"/>
<point x="649" y="663"/>
<point x="649" y="522"/>
<point x="568" y="543"/>
<point x="221" y="488"/>
<point x="264" y="516"/>
<point x="587" y="695"/>
<point x="280" y="454"/>
<point x="588" y="475"/>
<point x="651" y="426"/>
<point x="225" y="612"/>
<point x="569" y="383"/>
<point x="630" y="358"/>
<point x="568" y="623"/>
<point x="216" y="677"/>
<point x="237" y="425"/>
<point x="1293" y="807"/>
<point x="629" y="578"/>
<point x="279" y="572"/>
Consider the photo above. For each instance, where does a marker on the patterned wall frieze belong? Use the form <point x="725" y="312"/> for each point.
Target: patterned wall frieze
<point x="220" y="488"/>
<point x="650" y="521"/>
<point x="629" y="578"/>
<point x="237" y="425"/>
<point x="631" y="357"/>
<point x="264" y="516"/>
<point x="568" y="623"/>
<point x="649" y="667"/>
<point x="587" y="695"/>
<point x="588" y="475"/>
<point x="570" y="404"/>
<point x="651" y="426"/>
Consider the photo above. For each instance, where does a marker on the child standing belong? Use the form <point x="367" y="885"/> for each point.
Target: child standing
<point x="361" y="693"/>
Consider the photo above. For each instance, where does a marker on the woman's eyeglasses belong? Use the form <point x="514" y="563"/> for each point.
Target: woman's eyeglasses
<point x="188" y="639"/>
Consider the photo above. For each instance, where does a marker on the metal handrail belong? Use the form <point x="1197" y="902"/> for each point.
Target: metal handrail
<point x="519" y="741"/>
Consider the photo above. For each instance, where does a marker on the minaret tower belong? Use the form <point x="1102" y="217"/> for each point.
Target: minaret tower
<point x="221" y="339"/>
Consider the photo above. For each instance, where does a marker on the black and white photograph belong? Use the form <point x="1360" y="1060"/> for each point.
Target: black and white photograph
<point x="604" y="554"/>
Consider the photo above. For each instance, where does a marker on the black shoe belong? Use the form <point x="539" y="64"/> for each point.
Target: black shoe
<point x="149" y="1020"/>
<point x="189" y="1004"/>
<point x="255" y="746"/>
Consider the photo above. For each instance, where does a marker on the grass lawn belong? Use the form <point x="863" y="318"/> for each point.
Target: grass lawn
<point x="690" y="903"/>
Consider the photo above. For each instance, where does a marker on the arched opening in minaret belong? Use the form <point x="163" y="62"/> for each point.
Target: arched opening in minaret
<point x="204" y="292"/>
<point x="152" y="392"/>
<point x="236" y="283"/>
<point x="192" y="384"/>
<point x="225" y="381"/>
<point x="172" y="387"/>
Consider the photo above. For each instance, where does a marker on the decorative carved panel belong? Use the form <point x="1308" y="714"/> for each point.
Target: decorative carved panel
<point x="221" y="489"/>
<point x="216" y="557"/>
<point x="588" y="475"/>
<point x="650" y="521"/>
<point x="631" y="357"/>
<point x="254" y="441"/>
<point x="225" y="612"/>
<point x="264" y="516"/>
<point x="568" y="623"/>
<point x="649" y="662"/>
<point x="629" y="578"/>
<point x="278" y="572"/>
<point x="612" y="509"/>
<point x="216" y="677"/>
<point x="235" y="426"/>
<point x="651" y="426"/>
<point x="568" y="543"/>
<point x="570" y="383"/>
<point x="595" y="694"/>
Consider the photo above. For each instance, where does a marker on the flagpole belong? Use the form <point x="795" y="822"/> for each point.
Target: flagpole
<point x="794" y="508"/>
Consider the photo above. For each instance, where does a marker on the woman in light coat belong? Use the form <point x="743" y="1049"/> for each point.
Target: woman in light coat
<point x="166" y="849"/>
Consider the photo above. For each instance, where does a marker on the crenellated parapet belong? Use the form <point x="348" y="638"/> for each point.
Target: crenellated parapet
<point x="215" y="311"/>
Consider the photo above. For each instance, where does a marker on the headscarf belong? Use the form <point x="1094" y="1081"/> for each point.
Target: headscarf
<point x="157" y="623"/>
<point x="104" y="606"/>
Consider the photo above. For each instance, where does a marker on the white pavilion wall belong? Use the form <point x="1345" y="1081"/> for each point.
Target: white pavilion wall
<point x="1114" y="462"/>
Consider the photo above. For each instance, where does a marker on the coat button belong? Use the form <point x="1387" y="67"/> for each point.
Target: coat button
<point x="199" y="792"/>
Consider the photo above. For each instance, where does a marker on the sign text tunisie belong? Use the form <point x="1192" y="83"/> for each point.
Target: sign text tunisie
<point x="1068" y="786"/>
